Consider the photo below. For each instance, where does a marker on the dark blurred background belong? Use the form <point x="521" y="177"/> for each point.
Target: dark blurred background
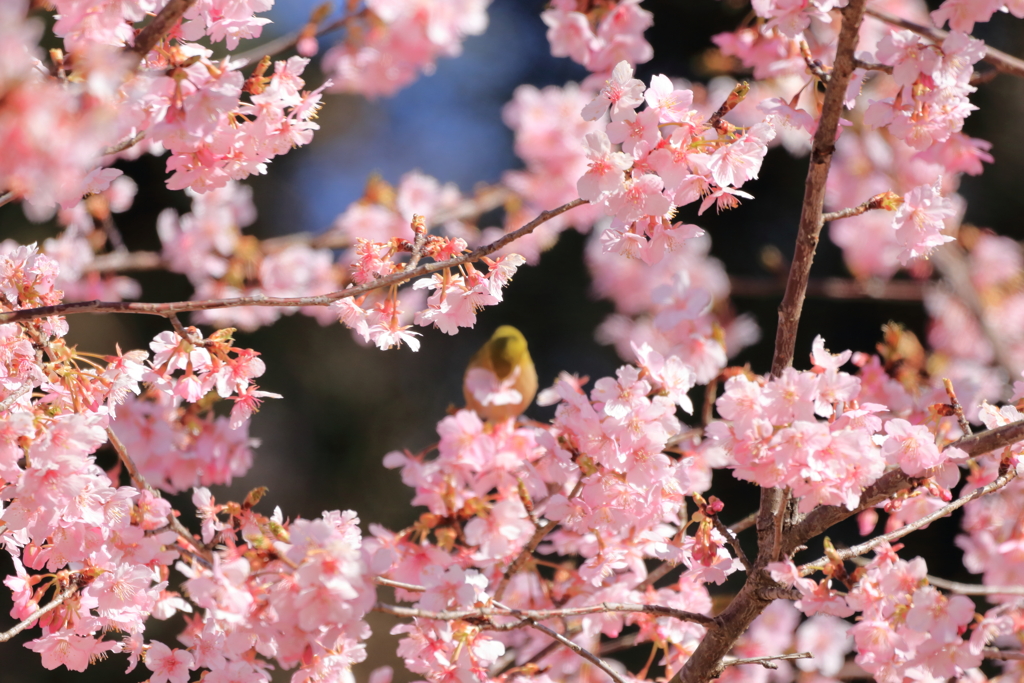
<point x="345" y="405"/>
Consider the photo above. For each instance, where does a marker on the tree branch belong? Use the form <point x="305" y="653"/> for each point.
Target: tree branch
<point x="486" y="613"/>
<point x="766" y="662"/>
<point x="822" y="518"/>
<point x="125" y="144"/>
<point x="282" y="43"/>
<point x="748" y="604"/>
<point x="14" y="396"/>
<point x="531" y="545"/>
<point x="141" y="483"/>
<point x="381" y="581"/>
<point x="163" y="22"/>
<point x="166" y="309"/>
<point x="862" y="548"/>
<point x="581" y="651"/>
<point x="814" y="189"/>
<point x="973" y="588"/>
<point x="57" y="601"/>
<point x="1003" y="62"/>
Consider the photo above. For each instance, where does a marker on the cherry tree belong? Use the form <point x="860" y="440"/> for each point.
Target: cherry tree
<point x="545" y="549"/>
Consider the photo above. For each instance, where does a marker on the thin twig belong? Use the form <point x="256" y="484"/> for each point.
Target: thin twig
<point x="486" y="613"/>
<point x="127" y="143"/>
<point x="122" y="262"/>
<point x="419" y="229"/>
<point x="734" y="543"/>
<point x="973" y="588"/>
<point x="527" y="552"/>
<point x="862" y="548"/>
<point x="381" y="581"/>
<point x="831" y="288"/>
<point x="886" y="200"/>
<point x="29" y="620"/>
<point x="581" y="651"/>
<point x="824" y="517"/>
<point x="951" y="262"/>
<point x="734" y="98"/>
<point x="1002" y="61"/>
<point x="280" y="44"/>
<point x="655" y="575"/>
<point x="743" y="524"/>
<point x="766" y="662"/>
<point x="958" y="409"/>
<point x="707" y="412"/>
<point x="141" y="483"/>
<point x="165" y="309"/>
<point x="541" y="654"/>
<point x="619" y="644"/>
<point x="178" y="327"/>
<point x="871" y="66"/>
<point x="814" y="66"/>
<point x="14" y="396"/>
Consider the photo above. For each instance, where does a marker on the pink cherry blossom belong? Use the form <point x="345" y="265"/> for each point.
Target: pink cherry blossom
<point x="621" y="92"/>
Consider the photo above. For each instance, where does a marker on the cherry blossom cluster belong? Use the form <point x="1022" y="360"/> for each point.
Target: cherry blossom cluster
<point x="921" y="106"/>
<point x="678" y="306"/>
<point x="963" y="14"/>
<point x="180" y="443"/>
<point x="642" y="186"/>
<point x="907" y="628"/>
<point x="88" y="229"/>
<point x="294" y="593"/>
<point x="456" y="298"/>
<point x="775" y="436"/>
<point x="389" y="224"/>
<point x="208" y="246"/>
<point x="66" y="121"/>
<point x="53" y="130"/>
<point x="85" y="22"/>
<point x="955" y="334"/>
<point x="389" y="44"/>
<point x="64" y="516"/>
<point x="599" y="35"/>
<point x="196" y="112"/>
<point x="597" y="472"/>
<point x="934" y="84"/>
<point x="792" y="18"/>
<point x="676" y="301"/>
<point x="548" y="129"/>
<point x="991" y="539"/>
<point x="104" y="552"/>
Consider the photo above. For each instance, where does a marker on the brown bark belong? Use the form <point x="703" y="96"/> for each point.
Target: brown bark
<point x="706" y="661"/>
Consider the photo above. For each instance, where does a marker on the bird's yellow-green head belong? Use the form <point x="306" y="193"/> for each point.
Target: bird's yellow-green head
<point x="507" y="348"/>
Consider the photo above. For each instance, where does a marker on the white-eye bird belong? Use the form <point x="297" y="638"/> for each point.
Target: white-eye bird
<point x="500" y="380"/>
